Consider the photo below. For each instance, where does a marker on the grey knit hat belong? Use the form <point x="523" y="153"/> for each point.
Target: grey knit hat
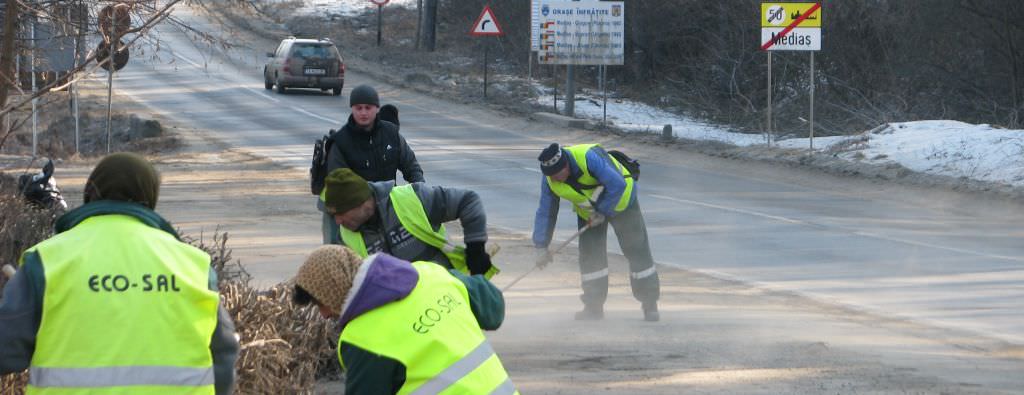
<point x="363" y="94"/>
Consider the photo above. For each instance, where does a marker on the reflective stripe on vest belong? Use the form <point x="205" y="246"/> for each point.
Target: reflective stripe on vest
<point x="412" y="216"/>
<point x="583" y="202"/>
<point x="435" y="335"/>
<point x="120" y="376"/>
<point x="132" y="309"/>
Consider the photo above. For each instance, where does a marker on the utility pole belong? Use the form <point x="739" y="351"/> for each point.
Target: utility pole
<point x="429" y="25"/>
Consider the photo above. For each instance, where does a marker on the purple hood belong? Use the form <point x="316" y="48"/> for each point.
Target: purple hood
<point x="381" y="279"/>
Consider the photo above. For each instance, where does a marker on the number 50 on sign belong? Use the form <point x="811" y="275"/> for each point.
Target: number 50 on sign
<point x="791" y="26"/>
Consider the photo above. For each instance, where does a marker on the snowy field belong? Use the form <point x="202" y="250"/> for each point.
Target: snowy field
<point x="949" y="148"/>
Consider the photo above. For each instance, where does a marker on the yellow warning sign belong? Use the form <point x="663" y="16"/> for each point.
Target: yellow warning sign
<point x="784" y="14"/>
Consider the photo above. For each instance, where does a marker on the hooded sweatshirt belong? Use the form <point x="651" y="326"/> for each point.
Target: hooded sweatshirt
<point x="383" y="279"/>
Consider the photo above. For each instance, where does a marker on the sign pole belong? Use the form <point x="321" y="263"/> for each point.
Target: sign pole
<point x="570" y="91"/>
<point x="32" y="66"/>
<point x="380" y="11"/>
<point x="529" y="69"/>
<point x="769" y="98"/>
<point x="486" y="50"/>
<point x="604" y="94"/>
<point x="812" y="101"/>
<point x="110" y="86"/>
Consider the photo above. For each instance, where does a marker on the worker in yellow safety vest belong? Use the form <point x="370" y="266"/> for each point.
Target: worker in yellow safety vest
<point x="602" y="190"/>
<point x="406" y="328"/>
<point x="407" y="221"/>
<point x="115" y="302"/>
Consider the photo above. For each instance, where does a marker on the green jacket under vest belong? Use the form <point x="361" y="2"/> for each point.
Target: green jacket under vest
<point x="386" y="353"/>
<point x="116" y="303"/>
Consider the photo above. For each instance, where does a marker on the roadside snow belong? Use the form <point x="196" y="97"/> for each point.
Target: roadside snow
<point x="347" y="7"/>
<point x="949" y="148"/>
<point x="638" y="117"/>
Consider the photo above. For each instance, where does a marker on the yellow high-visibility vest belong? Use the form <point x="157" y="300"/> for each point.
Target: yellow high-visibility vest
<point x="127" y="309"/>
<point x="412" y="216"/>
<point x="582" y="203"/>
<point x="435" y="335"/>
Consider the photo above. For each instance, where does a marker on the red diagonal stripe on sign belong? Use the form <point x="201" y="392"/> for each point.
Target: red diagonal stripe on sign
<point x="791" y="26"/>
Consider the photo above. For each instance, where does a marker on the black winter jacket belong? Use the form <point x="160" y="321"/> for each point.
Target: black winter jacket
<point x="377" y="155"/>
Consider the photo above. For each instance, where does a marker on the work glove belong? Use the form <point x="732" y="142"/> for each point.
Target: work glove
<point x="476" y="258"/>
<point x="596" y="219"/>
<point x="542" y="257"/>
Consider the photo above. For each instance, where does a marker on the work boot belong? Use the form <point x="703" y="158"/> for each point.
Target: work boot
<point x="651" y="311"/>
<point x="590" y="313"/>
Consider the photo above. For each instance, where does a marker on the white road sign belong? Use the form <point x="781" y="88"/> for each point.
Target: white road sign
<point x="791" y="26"/>
<point x="581" y="32"/>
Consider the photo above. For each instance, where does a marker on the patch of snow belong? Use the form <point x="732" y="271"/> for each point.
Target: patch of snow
<point x="347" y="7"/>
<point x="638" y="117"/>
<point x="949" y="148"/>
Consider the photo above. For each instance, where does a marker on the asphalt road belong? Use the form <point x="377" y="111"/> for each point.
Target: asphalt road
<point x="944" y="259"/>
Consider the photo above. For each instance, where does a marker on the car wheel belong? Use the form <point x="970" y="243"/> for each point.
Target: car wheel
<point x="267" y="83"/>
<point x="280" y="87"/>
<point x="336" y="91"/>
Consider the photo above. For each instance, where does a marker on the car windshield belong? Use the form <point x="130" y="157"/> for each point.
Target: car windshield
<point x="312" y="51"/>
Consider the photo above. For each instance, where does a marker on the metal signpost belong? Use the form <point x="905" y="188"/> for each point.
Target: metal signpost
<point x="486" y="25"/>
<point x="380" y="12"/>
<point x="790" y="27"/>
<point x="579" y="33"/>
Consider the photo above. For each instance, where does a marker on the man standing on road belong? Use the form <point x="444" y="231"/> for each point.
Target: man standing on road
<point x="371" y="147"/>
<point x="115" y="302"/>
<point x="602" y="191"/>
<point x="407" y="221"/>
<point x="406" y="327"/>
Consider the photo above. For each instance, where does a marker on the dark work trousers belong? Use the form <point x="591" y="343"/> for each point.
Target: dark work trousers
<point x="331" y="231"/>
<point x="632" y="234"/>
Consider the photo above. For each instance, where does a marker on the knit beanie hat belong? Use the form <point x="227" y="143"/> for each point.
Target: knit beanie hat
<point x="363" y="94"/>
<point x="551" y="159"/>
<point x="345" y="190"/>
<point x="328" y="273"/>
<point x="388" y="112"/>
<point x="125" y="177"/>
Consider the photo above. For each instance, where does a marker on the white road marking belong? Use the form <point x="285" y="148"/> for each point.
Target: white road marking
<point x="851" y="231"/>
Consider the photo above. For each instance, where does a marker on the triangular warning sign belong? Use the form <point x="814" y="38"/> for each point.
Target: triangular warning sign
<point x="486" y="24"/>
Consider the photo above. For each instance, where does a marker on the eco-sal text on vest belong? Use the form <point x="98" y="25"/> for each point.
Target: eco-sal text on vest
<point x="121" y="283"/>
<point x="432" y="316"/>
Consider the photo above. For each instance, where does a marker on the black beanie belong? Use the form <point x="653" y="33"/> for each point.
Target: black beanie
<point x="363" y="94"/>
<point x="125" y="177"/>
<point x="552" y="159"/>
<point x="388" y="112"/>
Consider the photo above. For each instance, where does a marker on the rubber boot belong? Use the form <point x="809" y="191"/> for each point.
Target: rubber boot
<point x="590" y="313"/>
<point x="651" y="311"/>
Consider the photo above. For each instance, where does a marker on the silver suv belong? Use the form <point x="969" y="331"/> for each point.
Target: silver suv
<point x="305" y="63"/>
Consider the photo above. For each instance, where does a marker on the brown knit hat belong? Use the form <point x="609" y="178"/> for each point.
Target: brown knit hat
<point x="328" y="273"/>
<point x="125" y="177"/>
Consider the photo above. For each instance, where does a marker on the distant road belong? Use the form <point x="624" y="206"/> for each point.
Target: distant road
<point x="935" y="257"/>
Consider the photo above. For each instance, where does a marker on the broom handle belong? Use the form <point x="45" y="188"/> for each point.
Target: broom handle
<point x="553" y="252"/>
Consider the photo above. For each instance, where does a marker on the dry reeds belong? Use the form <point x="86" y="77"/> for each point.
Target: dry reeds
<point x="284" y="349"/>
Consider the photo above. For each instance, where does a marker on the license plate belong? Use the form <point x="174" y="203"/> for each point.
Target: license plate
<point x="315" y="71"/>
